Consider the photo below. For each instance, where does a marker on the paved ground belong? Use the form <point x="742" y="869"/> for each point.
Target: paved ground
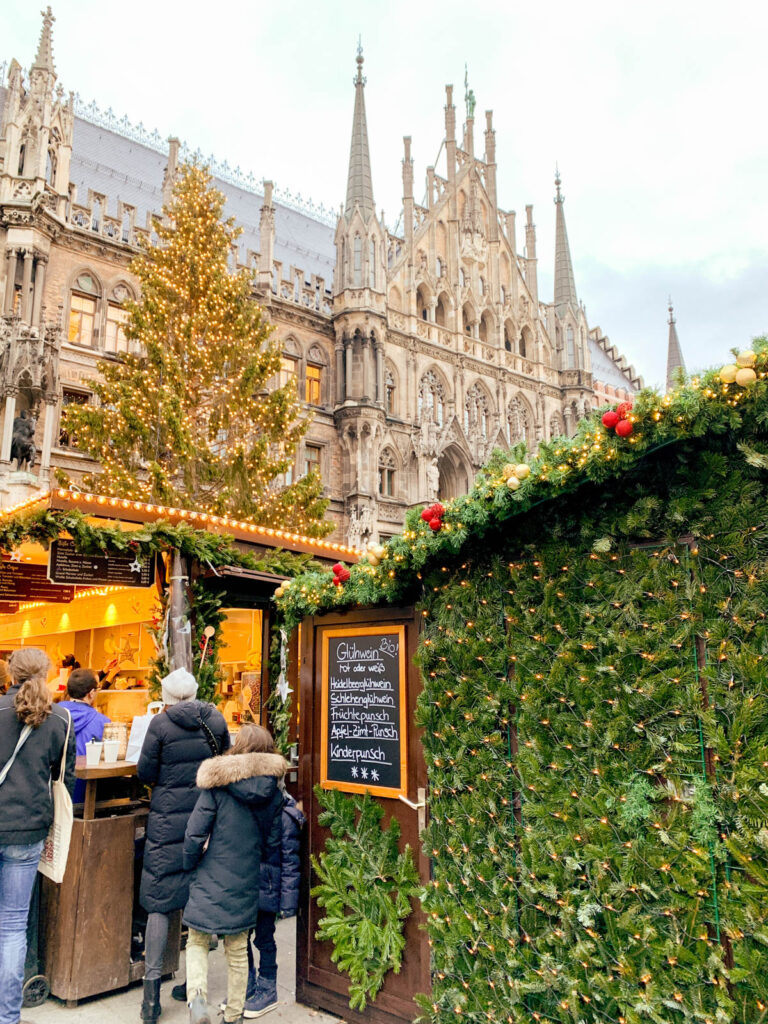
<point x="123" y="1007"/>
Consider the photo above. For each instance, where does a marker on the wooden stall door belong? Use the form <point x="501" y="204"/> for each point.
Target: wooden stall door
<point x="318" y="983"/>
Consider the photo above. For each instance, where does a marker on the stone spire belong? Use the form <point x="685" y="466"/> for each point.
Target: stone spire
<point x="565" y="286"/>
<point x="359" y="184"/>
<point x="44" y="57"/>
<point x="675" y="360"/>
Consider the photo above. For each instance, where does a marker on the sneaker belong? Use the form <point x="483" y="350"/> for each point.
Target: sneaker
<point x="263" y="1001"/>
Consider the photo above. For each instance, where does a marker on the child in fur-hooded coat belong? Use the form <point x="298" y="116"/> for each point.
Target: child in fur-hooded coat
<point x="238" y="816"/>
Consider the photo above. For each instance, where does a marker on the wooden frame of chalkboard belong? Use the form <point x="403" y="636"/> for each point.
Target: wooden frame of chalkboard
<point x="400" y="713"/>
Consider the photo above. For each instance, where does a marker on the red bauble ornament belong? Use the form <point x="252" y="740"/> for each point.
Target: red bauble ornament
<point x="438" y="510"/>
<point x="610" y="419"/>
<point x="336" y="569"/>
<point x="426" y="514"/>
<point x="435" y="524"/>
<point x="624" y="428"/>
<point x="344" y="575"/>
<point x="336" y="581"/>
<point x="622" y="409"/>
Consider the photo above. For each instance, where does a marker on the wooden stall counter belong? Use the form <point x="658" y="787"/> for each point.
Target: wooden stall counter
<point x="89" y="918"/>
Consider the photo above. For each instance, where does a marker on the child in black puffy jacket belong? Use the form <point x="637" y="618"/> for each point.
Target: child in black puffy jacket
<point x="233" y="829"/>
<point x="278" y="896"/>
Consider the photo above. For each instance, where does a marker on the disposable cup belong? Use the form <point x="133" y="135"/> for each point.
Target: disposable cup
<point x="111" y="748"/>
<point x="93" y="753"/>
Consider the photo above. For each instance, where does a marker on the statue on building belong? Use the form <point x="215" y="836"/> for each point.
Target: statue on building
<point x="366" y="525"/>
<point x="353" y="531"/>
<point x="23" y="448"/>
<point x="433" y="480"/>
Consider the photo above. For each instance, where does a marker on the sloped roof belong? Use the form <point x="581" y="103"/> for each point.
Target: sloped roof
<point x="128" y="170"/>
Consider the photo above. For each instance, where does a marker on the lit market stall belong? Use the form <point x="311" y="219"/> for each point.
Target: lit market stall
<point x="103" y="579"/>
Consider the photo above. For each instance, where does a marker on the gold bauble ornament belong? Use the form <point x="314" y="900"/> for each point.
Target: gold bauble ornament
<point x="746" y="375"/>
<point x="513" y="483"/>
<point x="508" y="471"/>
<point x="746" y="358"/>
<point x="522" y="471"/>
<point x="728" y="373"/>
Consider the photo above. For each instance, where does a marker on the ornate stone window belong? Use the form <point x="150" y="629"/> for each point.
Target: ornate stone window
<point x="387" y="469"/>
<point x="358" y="261"/>
<point x="477" y="413"/>
<point x="83" y="305"/>
<point x="431" y="398"/>
<point x="117" y="316"/>
<point x="372" y="264"/>
<point x="570" y="348"/>
<point x="518" y="421"/>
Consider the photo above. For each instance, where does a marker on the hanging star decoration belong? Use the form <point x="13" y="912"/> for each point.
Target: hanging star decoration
<point x="135" y="565"/>
<point x="127" y="652"/>
<point x="15" y="556"/>
<point x="284" y="689"/>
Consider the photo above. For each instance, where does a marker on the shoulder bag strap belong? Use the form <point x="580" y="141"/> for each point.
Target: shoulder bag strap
<point x="63" y="766"/>
<point x="212" y="741"/>
<point x="20" y="743"/>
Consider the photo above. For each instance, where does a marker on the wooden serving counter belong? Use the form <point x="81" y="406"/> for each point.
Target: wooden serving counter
<point x="89" y="917"/>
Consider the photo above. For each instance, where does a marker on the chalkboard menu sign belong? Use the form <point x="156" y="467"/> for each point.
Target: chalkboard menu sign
<point x="364" y="713"/>
<point x="20" y="582"/>
<point x="67" y="565"/>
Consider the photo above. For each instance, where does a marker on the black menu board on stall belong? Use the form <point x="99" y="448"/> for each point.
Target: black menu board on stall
<point x="364" y="711"/>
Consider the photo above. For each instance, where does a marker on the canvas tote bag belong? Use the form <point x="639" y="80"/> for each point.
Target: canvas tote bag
<point x="53" y="859"/>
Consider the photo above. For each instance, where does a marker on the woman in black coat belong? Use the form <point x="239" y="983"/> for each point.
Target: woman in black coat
<point x="33" y="735"/>
<point x="236" y="824"/>
<point x="183" y="735"/>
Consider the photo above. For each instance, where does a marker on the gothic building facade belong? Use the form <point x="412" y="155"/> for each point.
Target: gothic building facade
<point x="417" y="351"/>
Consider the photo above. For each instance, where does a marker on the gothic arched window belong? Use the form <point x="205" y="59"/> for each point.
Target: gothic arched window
<point x="83" y="305"/>
<point x="431" y="398"/>
<point x="518" y="421"/>
<point x="372" y="264"/>
<point x="477" y="413"/>
<point x="387" y="470"/>
<point x="570" y="348"/>
<point x="358" y="261"/>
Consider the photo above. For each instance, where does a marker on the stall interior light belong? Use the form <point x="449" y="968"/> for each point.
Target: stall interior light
<point x="181" y="513"/>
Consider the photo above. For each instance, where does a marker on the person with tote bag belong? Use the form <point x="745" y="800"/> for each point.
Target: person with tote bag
<point x="37" y="748"/>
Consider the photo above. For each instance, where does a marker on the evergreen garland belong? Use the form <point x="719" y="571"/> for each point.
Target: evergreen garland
<point x="366" y="888"/>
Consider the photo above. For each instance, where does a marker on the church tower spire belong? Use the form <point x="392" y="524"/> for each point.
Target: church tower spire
<point x="359" y="183"/>
<point x="565" y="286"/>
<point x="44" y="57"/>
<point x="675" y="359"/>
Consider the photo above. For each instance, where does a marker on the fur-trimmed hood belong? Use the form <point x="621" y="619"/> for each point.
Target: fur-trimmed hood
<point x="231" y="768"/>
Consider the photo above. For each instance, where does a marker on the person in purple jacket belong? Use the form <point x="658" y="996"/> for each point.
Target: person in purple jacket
<point x="87" y="722"/>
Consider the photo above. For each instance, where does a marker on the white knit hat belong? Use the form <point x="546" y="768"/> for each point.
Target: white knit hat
<point x="178" y="685"/>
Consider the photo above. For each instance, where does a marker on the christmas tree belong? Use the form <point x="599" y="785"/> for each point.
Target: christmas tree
<point x="193" y="416"/>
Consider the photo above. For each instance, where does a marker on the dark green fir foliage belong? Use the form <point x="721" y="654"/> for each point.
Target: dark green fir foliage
<point x="366" y="887"/>
<point x="595" y="719"/>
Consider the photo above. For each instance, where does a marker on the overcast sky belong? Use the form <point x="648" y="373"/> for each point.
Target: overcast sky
<point x="654" y="112"/>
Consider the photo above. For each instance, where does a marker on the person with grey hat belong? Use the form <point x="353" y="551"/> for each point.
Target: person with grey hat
<point x="178" y="740"/>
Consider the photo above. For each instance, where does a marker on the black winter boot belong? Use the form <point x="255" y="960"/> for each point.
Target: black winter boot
<point x="150" y="1007"/>
<point x="179" y="992"/>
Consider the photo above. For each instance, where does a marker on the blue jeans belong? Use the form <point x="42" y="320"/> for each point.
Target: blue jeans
<point x="18" y="868"/>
